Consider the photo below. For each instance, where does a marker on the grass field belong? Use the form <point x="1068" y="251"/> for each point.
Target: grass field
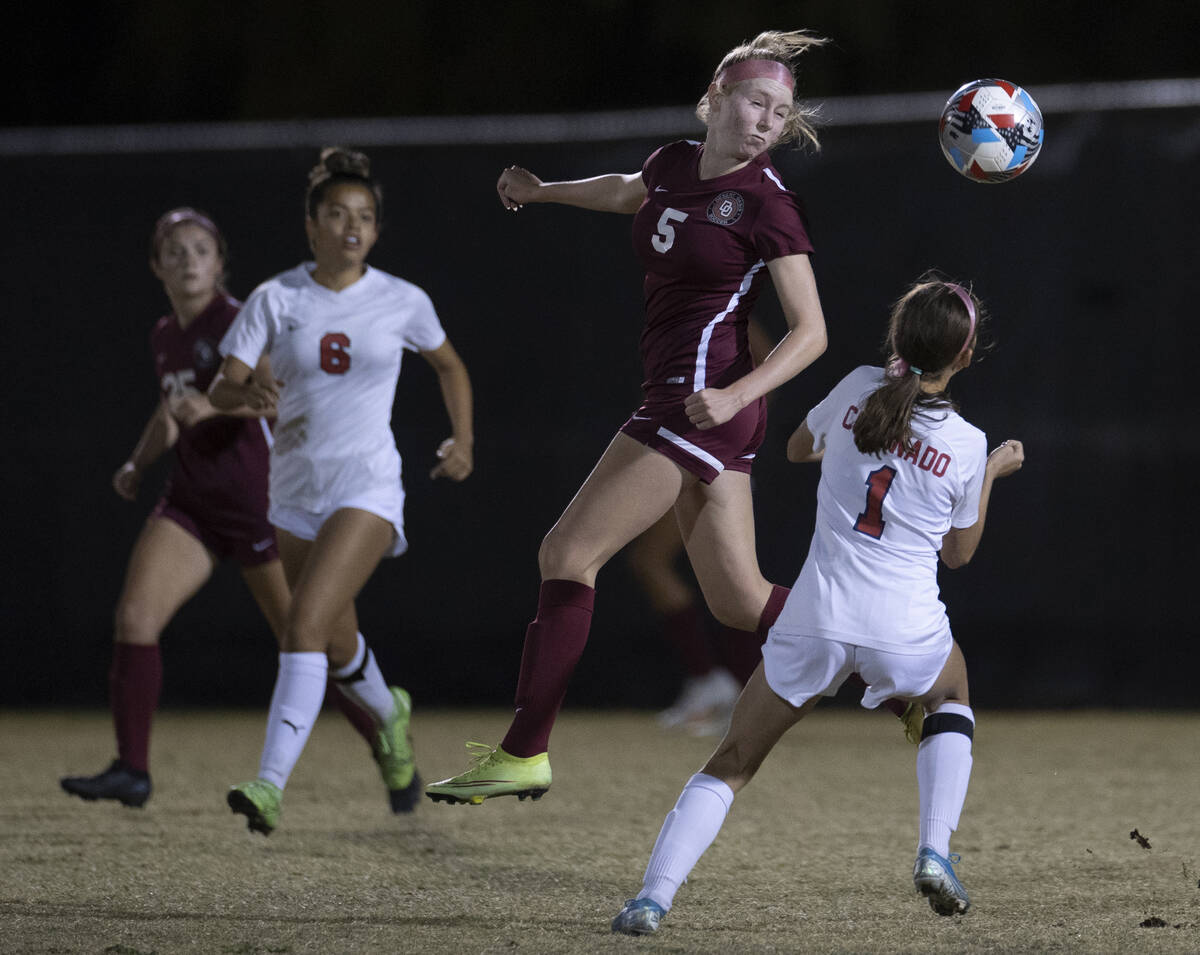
<point x="815" y="857"/>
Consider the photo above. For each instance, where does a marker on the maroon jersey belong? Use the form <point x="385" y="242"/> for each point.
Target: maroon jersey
<point x="704" y="244"/>
<point x="220" y="472"/>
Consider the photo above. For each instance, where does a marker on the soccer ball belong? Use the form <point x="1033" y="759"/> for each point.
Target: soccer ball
<point x="990" y="130"/>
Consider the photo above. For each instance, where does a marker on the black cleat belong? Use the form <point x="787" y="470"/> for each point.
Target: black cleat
<point x="131" y="787"/>
<point x="406" y="799"/>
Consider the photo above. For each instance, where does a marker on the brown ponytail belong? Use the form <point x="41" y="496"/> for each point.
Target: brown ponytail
<point x="930" y="326"/>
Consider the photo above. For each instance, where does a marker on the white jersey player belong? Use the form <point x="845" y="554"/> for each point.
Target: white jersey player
<point x="903" y="477"/>
<point x="339" y="354"/>
<point x="334" y="331"/>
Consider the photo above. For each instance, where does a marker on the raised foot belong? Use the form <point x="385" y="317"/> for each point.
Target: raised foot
<point x="495" y="773"/>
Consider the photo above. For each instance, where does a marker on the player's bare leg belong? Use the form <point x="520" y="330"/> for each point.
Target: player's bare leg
<point x="717" y="522"/>
<point x="760" y="718"/>
<point x="709" y="689"/>
<point x="326" y="575"/>
<point x="166" y="568"/>
<point x="630" y="488"/>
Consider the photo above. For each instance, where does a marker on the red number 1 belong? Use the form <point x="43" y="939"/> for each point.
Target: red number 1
<point x="870" y="521"/>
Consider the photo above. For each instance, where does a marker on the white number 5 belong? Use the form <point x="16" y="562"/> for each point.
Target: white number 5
<point x="666" y="232"/>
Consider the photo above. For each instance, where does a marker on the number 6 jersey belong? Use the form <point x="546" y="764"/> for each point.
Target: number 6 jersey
<point x="338" y="355"/>
<point x="870" y="578"/>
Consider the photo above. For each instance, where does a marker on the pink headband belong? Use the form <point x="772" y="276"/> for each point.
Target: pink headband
<point x="899" y="367"/>
<point x="757" y="69"/>
<point x="177" y="216"/>
<point x="966" y="300"/>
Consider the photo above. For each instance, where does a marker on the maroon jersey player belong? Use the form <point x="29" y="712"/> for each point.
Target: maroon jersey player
<point x="712" y="221"/>
<point x="213" y="508"/>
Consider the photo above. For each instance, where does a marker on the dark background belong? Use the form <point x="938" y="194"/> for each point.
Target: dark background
<point x="1081" y="592"/>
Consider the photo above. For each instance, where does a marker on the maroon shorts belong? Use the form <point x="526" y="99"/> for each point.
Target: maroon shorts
<point x="248" y="543"/>
<point x="664" y="426"/>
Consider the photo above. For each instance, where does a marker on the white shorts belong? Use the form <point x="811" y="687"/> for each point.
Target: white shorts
<point x="306" y="524"/>
<point x="798" y="668"/>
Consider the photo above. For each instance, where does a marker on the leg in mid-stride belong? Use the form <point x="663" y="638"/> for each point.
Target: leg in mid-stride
<point x="762" y="716"/>
<point x="630" y="488"/>
<point x="167" y="567"/>
<point x="320" y="639"/>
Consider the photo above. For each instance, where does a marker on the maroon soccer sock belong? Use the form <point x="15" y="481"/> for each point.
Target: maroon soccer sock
<point x="134" y="684"/>
<point x="684" y="630"/>
<point x="741" y="651"/>
<point x="360" y="719"/>
<point x="554" y="643"/>
<point x="771" y="611"/>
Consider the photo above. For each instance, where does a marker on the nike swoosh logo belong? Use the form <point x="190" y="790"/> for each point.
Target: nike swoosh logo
<point x="262" y="545"/>
<point x="660" y="189"/>
<point x="294" y="727"/>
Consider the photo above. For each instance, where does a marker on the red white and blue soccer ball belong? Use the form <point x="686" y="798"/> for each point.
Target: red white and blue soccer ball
<point x="991" y="130"/>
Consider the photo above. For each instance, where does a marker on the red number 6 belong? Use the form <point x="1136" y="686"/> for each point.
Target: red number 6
<point x="335" y="359"/>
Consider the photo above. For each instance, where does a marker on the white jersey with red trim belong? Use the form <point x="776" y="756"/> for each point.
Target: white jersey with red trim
<point x="338" y="355"/>
<point x="871" y="574"/>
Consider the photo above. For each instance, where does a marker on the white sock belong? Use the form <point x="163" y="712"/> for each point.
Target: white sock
<point x="368" y="688"/>
<point x="943" y="771"/>
<point x="299" y="692"/>
<point x="687" y="832"/>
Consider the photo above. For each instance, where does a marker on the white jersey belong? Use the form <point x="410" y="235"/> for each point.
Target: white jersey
<point x="338" y="355"/>
<point x="871" y="574"/>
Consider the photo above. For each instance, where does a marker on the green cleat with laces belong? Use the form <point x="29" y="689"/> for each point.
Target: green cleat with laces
<point x="495" y="773"/>
<point x="260" y="802"/>
<point x="394" y="755"/>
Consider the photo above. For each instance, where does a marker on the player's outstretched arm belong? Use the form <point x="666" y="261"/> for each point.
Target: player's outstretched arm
<point x="960" y="543"/>
<point x="456" y="455"/>
<point x="612" y="193"/>
<point x="160" y="433"/>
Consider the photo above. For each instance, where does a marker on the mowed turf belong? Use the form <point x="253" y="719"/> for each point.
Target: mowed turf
<point x="816" y="855"/>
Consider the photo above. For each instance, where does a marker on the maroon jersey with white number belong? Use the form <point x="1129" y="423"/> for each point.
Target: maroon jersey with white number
<point x="704" y="244"/>
<point x="220" y="472"/>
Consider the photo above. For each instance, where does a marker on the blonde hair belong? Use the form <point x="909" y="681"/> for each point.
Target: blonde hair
<point x="784" y="48"/>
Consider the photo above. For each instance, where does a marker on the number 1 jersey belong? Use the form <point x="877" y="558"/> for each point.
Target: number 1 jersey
<point x="870" y="578"/>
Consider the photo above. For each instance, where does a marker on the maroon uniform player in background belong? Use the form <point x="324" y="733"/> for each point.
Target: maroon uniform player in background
<point x="711" y="221"/>
<point x="214" y="506"/>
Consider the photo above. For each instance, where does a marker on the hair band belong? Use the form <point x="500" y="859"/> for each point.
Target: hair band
<point x="966" y="300"/>
<point x="170" y="220"/>
<point x="757" y="69"/>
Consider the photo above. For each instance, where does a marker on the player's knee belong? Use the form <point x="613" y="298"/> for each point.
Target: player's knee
<point x="738" y="614"/>
<point x="558" y="557"/>
<point x="135" y="622"/>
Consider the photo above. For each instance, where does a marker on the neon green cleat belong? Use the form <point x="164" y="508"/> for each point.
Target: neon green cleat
<point x="495" y="773"/>
<point x="914" y="722"/>
<point x="394" y="754"/>
<point x="260" y="802"/>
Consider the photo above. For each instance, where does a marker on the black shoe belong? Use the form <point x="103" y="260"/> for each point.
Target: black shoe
<point x="406" y="799"/>
<point x="130" y="786"/>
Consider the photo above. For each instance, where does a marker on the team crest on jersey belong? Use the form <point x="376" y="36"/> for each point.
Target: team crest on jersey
<point x="204" y="355"/>
<point x="727" y="208"/>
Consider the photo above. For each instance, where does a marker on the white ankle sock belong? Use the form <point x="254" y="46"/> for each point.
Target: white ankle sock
<point x="687" y="832"/>
<point x="369" y="689"/>
<point x="943" y="771"/>
<point x="295" y="704"/>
